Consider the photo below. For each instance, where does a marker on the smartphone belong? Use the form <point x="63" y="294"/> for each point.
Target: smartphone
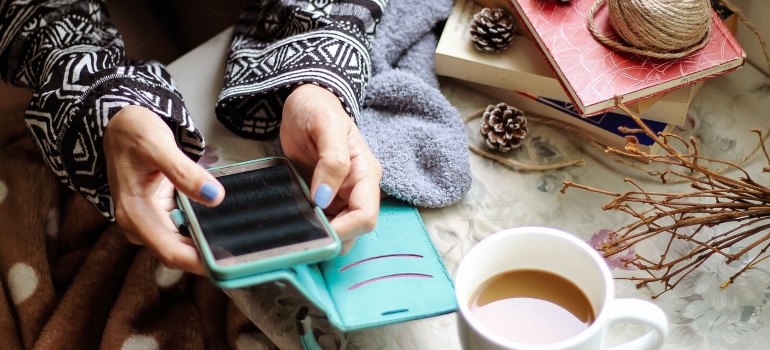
<point x="266" y="222"/>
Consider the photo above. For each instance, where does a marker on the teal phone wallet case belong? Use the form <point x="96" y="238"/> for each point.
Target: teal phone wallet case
<point x="391" y="275"/>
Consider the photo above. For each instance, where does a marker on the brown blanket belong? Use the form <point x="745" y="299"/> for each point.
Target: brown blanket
<point x="70" y="280"/>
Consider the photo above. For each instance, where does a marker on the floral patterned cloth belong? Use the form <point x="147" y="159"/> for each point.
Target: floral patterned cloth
<point x="702" y="316"/>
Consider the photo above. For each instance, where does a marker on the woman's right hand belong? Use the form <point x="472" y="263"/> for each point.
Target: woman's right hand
<point x="144" y="165"/>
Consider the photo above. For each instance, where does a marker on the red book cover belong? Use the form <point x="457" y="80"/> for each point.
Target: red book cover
<point x="593" y="74"/>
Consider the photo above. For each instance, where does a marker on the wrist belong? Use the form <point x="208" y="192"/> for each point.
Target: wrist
<point x="126" y="117"/>
<point x="317" y="93"/>
<point x="135" y="124"/>
<point x="321" y="101"/>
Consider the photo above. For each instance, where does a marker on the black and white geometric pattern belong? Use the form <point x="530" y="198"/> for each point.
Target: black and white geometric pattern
<point x="73" y="58"/>
<point x="69" y="53"/>
<point x="278" y="45"/>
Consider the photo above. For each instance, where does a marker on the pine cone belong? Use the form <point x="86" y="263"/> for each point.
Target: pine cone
<point x="491" y="30"/>
<point x="504" y="127"/>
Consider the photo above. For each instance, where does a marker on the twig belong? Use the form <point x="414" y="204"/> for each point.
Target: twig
<point x="714" y="199"/>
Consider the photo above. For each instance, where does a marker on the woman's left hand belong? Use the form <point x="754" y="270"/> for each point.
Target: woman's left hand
<point x="321" y="139"/>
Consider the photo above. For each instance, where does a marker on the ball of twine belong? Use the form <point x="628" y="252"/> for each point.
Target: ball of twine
<point x="662" y="29"/>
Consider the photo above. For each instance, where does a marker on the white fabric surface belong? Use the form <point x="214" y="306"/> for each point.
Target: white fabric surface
<point x="702" y="316"/>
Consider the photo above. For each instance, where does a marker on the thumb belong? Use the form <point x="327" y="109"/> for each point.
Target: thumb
<point x="189" y="177"/>
<point x="332" y="168"/>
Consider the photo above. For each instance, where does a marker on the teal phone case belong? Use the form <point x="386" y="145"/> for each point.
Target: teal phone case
<point x="391" y="275"/>
<point x="223" y="275"/>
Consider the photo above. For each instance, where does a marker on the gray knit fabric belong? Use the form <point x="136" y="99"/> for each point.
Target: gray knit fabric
<point x="410" y="126"/>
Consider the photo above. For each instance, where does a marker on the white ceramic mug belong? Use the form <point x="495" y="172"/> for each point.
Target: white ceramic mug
<point x="565" y="255"/>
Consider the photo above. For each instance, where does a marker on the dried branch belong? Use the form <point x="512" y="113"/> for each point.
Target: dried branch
<point x="739" y="207"/>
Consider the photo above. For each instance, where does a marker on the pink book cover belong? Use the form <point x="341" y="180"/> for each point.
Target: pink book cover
<point x="593" y="74"/>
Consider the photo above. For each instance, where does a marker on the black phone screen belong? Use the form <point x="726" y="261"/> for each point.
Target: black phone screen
<point x="263" y="209"/>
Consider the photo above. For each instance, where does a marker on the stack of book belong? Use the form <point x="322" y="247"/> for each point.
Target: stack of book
<point x="575" y="82"/>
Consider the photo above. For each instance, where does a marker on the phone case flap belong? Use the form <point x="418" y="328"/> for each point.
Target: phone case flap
<point x="391" y="275"/>
<point x="308" y="280"/>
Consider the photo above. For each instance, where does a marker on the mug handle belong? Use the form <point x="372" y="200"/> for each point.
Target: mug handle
<point x="620" y="310"/>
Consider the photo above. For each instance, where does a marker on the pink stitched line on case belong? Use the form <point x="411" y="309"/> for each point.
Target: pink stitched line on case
<point x="417" y="275"/>
<point x="380" y="257"/>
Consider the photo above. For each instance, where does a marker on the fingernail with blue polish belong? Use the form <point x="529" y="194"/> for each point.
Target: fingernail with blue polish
<point x="323" y="196"/>
<point x="209" y="191"/>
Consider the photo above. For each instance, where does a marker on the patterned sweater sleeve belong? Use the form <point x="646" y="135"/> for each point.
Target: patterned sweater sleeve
<point x="279" y="44"/>
<point x="72" y="57"/>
